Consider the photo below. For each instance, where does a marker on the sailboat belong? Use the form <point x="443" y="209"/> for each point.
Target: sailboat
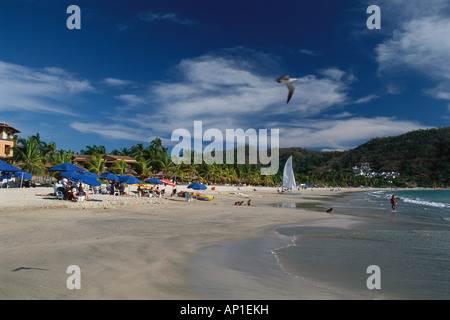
<point x="288" y="176"/>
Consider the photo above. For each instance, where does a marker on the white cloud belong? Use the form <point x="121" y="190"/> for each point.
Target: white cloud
<point x="131" y="99"/>
<point x="422" y="45"/>
<point x="116" y="82"/>
<point x="150" y="17"/>
<point x="307" y="52"/>
<point x="420" y="42"/>
<point x="366" y="99"/>
<point x="226" y="93"/>
<point x="211" y="85"/>
<point x="111" y="132"/>
<point x="45" y="90"/>
<point x="342" y="134"/>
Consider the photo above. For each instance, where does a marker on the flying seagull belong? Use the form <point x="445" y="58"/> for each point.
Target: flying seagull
<point x="288" y="82"/>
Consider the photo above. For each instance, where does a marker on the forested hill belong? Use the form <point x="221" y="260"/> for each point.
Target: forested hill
<point x="421" y="157"/>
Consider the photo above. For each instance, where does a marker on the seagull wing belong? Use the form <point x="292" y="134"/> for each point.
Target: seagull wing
<point x="291" y="91"/>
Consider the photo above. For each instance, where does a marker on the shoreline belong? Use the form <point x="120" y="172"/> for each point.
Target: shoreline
<point x="128" y="250"/>
<point x="251" y="269"/>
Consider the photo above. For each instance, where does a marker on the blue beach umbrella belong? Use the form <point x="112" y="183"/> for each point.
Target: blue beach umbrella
<point x="129" y="179"/>
<point x="65" y="167"/>
<point x="197" y="186"/>
<point x="110" y="176"/>
<point x="6" y="167"/>
<point x="71" y="175"/>
<point x="91" y="174"/>
<point x="78" y="177"/>
<point x="154" y="180"/>
<point x="90" y="181"/>
<point x="23" y="175"/>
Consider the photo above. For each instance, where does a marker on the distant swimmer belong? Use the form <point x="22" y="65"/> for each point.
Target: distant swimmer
<point x="330" y="211"/>
<point x="393" y="202"/>
<point x="288" y="82"/>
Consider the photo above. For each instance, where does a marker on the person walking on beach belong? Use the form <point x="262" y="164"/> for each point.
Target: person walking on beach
<point x="393" y="202"/>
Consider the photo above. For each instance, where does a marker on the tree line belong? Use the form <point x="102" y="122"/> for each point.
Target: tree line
<point x="422" y="157"/>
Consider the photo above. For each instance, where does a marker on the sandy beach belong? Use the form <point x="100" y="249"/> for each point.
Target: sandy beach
<point x="130" y="247"/>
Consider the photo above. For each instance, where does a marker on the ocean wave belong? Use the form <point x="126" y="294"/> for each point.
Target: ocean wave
<point x="413" y="200"/>
<point x="425" y="202"/>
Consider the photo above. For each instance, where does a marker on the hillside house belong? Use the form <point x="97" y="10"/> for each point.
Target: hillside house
<point x="7" y="141"/>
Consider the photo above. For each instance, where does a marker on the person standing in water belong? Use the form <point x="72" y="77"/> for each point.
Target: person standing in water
<point x="393" y="202"/>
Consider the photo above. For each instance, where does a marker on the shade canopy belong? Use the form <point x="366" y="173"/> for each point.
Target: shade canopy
<point x="79" y="177"/>
<point x="129" y="179"/>
<point x="67" y="167"/>
<point x="110" y="176"/>
<point x="168" y="182"/>
<point x="197" y="186"/>
<point x="23" y="175"/>
<point x="154" y="180"/>
<point x="90" y="181"/>
<point x="91" y="174"/>
<point x="4" y="166"/>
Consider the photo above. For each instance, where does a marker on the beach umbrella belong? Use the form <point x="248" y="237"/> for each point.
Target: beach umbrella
<point x="168" y="182"/>
<point x="23" y="175"/>
<point x="4" y="166"/>
<point x="110" y="176"/>
<point x="72" y="176"/>
<point x="90" y="181"/>
<point x="65" y="167"/>
<point x="129" y="179"/>
<point x="91" y="174"/>
<point x="197" y="186"/>
<point x="154" y="180"/>
<point x="79" y="177"/>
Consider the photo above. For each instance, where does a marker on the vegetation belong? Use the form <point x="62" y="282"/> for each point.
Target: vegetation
<point x="421" y="157"/>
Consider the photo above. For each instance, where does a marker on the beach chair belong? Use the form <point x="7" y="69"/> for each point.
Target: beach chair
<point x="58" y="193"/>
<point x="103" y="189"/>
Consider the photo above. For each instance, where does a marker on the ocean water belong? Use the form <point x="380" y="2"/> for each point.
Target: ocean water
<point x="410" y="247"/>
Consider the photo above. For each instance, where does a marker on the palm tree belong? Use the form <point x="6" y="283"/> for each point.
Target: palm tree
<point x="157" y="153"/>
<point x="28" y="156"/>
<point x="191" y="170"/>
<point x="62" y="156"/>
<point x="138" y="151"/>
<point x="49" y="152"/>
<point x="209" y="172"/>
<point x="166" y="166"/>
<point x="119" y="167"/>
<point x="143" y="167"/>
<point x="93" y="149"/>
<point x="97" y="164"/>
<point x="178" y="171"/>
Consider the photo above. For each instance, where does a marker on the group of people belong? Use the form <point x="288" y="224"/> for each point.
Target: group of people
<point x="119" y="186"/>
<point x="241" y="203"/>
<point x="72" y="191"/>
<point x="155" y="191"/>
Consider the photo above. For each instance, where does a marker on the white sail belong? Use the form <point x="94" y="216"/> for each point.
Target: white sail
<point x="288" y="175"/>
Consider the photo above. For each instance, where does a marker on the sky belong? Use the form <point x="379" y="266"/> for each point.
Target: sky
<point x="137" y="70"/>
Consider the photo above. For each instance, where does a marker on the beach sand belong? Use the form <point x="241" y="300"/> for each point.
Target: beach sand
<point x="132" y="248"/>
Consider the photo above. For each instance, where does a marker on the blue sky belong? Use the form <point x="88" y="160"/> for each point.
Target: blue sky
<point x="141" y="69"/>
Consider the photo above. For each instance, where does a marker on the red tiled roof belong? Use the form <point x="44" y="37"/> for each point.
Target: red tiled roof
<point x="4" y="125"/>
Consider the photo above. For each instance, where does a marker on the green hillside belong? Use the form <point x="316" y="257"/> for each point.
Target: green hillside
<point x="421" y="157"/>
